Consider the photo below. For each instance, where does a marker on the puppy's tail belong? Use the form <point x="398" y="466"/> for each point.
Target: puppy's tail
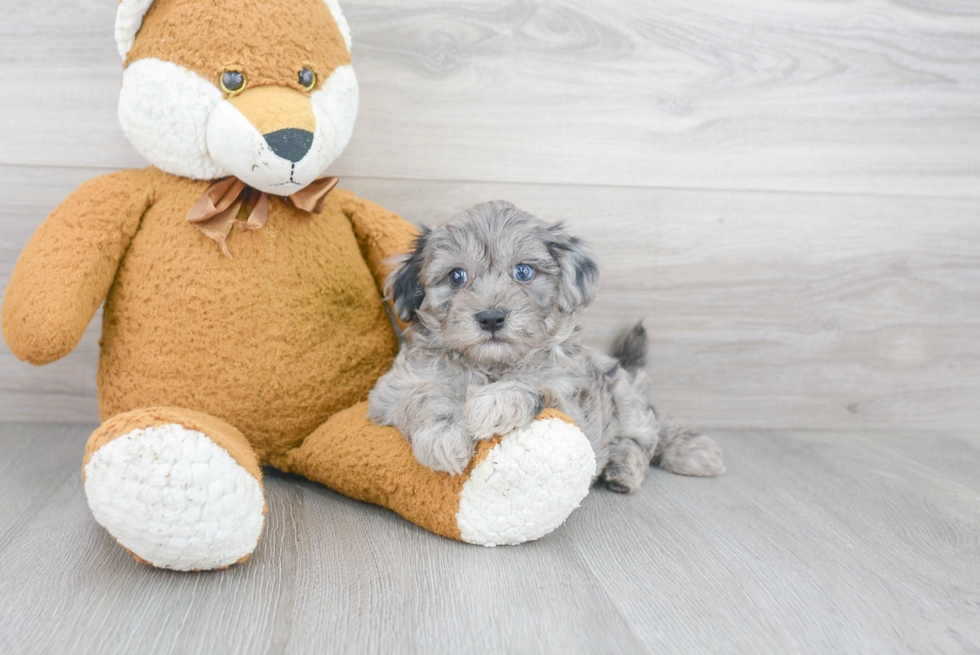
<point x="630" y="348"/>
<point x="685" y="451"/>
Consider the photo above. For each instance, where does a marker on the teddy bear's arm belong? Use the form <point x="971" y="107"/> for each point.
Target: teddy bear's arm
<point x="380" y="234"/>
<point x="66" y="269"/>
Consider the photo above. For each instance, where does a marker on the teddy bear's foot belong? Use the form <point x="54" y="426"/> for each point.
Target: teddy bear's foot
<point x="178" y="489"/>
<point x="527" y="484"/>
<point x="518" y="487"/>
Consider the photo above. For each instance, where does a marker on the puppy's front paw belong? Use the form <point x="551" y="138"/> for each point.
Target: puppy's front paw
<point x="499" y="408"/>
<point x="443" y="446"/>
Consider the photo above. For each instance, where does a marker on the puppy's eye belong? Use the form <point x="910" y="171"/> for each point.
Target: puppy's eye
<point x="457" y="278"/>
<point x="232" y="81"/>
<point x="307" y="78"/>
<point x="523" y="272"/>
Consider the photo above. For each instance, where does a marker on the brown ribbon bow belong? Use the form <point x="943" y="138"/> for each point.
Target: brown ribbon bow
<point x="216" y="212"/>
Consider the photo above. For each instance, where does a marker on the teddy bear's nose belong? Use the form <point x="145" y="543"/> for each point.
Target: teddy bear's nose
<point x="291" y="143"/>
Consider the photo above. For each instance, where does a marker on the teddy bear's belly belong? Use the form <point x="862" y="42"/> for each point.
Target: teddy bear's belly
<point x="275" y="341"/>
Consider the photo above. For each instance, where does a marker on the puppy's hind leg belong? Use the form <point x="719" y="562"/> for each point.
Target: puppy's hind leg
<point x="628" y="464"/>
<point x="637" y="428"/>
<point x="687" y="452"/>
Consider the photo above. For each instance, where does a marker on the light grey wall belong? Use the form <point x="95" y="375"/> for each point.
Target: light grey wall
<point x="788" y="192"/>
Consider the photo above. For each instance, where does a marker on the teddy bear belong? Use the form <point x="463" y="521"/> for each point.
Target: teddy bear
<point x="244" y="319"/>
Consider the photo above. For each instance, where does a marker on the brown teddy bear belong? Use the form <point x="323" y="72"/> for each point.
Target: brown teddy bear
<point x="244" y="323"/>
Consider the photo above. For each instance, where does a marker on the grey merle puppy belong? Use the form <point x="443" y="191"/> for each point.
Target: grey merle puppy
<point x="494" y="298"/>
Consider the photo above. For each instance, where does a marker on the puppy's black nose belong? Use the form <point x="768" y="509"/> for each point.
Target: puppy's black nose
<point x="290" y="144"/>
<point x="491" y="320"/>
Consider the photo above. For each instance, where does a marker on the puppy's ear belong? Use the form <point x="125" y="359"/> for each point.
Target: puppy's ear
<point x="405" y="290"/>
<point x="579" y="269"/>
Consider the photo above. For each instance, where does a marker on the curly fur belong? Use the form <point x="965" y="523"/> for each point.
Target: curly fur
<point x="456" y="382"/>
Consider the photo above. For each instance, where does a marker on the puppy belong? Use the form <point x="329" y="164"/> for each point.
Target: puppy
<point x="494" y="300"/>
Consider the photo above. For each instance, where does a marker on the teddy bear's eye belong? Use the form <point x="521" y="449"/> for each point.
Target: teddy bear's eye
<point x="457" y="278"/>
<point x="307" y="78"/>
<point x="232" y="81"/>
<point x="523" y="272"/>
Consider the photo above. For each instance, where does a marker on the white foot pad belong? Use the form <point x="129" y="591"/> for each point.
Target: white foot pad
<point x="527" y="486"/>
<point x="175" y="498"/>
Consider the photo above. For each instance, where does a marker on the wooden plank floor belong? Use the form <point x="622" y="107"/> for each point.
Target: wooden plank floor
<point x="813" y="542"/>
<point x="785" y="189"/>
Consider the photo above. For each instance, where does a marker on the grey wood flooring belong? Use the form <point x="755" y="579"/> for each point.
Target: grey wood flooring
<point x="813" y="542"/>
<point x="788" y="191"/>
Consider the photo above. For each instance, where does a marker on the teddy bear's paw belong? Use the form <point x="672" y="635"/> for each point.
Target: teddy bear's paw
<point x="527" y="485"/>
<point x="175" y="498"/>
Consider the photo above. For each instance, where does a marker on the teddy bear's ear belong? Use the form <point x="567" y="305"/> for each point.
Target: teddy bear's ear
<point x="338" y="17"/>
<point x="129" y="18"/>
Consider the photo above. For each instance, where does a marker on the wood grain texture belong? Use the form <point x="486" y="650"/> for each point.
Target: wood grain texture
<point x="787" y="191"/>
<point x="766" y="310"/>
<point x="813" y="542"/>
<point x="803" y="95"/>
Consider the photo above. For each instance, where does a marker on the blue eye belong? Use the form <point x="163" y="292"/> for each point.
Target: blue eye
<point x="523" y="272"/>
<point x="457" y="277"/>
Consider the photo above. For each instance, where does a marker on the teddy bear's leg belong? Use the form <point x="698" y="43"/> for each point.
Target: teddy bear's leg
<point x="179" y="489"/>
<point x="518" y="487"/>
